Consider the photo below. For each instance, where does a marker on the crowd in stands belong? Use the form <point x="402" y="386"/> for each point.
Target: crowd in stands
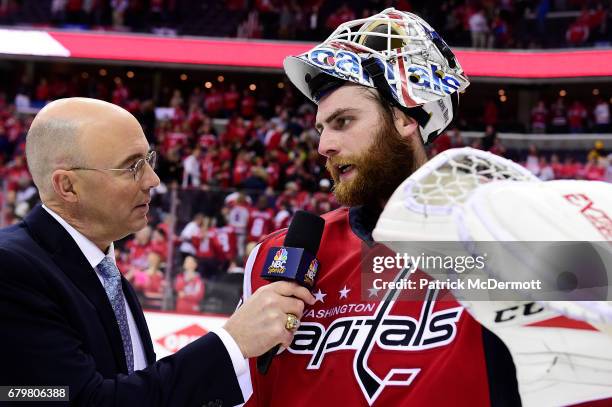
<point x="595" y="166"/>
<point x="237" y="182"/>
<point x="575" y="118"/>
<point x="467" y="23"/>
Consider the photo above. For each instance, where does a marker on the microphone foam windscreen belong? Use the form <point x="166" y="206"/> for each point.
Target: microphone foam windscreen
<point x="305" y="230"/>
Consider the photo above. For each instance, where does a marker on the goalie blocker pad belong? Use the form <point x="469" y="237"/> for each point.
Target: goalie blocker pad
<point x="559" y="360"/>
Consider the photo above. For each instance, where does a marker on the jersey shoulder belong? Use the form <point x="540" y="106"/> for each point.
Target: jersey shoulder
<point x="333" y="218"/>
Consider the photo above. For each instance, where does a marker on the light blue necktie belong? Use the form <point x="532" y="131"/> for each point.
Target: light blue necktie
<point x="112" y="286"/>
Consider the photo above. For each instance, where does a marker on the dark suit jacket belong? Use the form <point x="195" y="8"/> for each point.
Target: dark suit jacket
<point x="57" y="327"/>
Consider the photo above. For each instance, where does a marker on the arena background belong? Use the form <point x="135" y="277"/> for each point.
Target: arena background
<point x="205" y="80"/>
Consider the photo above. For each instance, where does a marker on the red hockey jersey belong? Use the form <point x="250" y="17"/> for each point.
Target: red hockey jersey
<point x="358" y="346"/>
<point x="260" y="224"/>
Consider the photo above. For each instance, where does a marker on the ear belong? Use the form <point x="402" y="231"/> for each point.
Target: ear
<point x="406" y="126"/>
<point x="64" y="183"/>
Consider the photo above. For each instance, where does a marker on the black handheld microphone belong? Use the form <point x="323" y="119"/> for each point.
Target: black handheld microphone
<point x="294" y="261"/>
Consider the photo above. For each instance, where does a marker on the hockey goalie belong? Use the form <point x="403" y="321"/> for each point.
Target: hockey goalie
<point x="385" y="86"/>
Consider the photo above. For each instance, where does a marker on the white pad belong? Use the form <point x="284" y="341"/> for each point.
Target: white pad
<point x="453" y="198"/>
<point x="552" y="211"/>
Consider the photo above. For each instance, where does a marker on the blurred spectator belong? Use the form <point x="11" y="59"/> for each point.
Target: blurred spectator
<point x="595" y="169"/>
<point x="601" y="114"/>
<point x="256" y="181"/>
<point x="498" y="148"/>
<point x="209" y="165"/>
<point x="207" y="253"/>
<point x="539" y="118"/>
<point x="189" y="231"/>
<point x="207" y="136"/>
<point x="225" y="242"/>
<point x="122" y="263"/>
<point x="236" y="133"/>
<point x="287" y="20"/>
<point x="230" y="100"/>
<point x="577" y="33"/>
<point x="479" y="29"/>
<point x="283" y="216"/>
<point x="260" y="220"/>
<point x="58" y="11"/>
<point x="119" y="8"/>
<point x="147" y="119"/>
<point x="247" y="105"/>
<point x="312" y="18"/>
<point x="189" y="287"/>
<point x="532" y="163"/>
<point x="323" y="200"/>
<point x="16" y="173"/>
<point x="454" y="135"/>
<point x="570" y="169"/>
<point x="608" y="176"/>
<point x="149" y="282"/>
<point x="441" y="143"/>
<point x="251" y="27"/>
<point x="590" y="24"/>
<point x="268" y="13"/>
<point x="191" y="169"/>
<point x="138" y="248"/>
<point x="238" y="219"/>
<point x="490" y="136"/>
<point x="577" y="116"/>
<point x="556" y="166"/>
<point x="546" y="172"/>
<point x="542" y="10"/>
<point x="213" y="102"/>
<point x="120" y="93"/>
<point x="558" y="116"/>
<point x="42" y="91"/>
<point x="501" y="32"/>
<point x="159" y="243"/>
<point x="598" y="21"/>
<point x="340" y="16"/>
<point x="597" y="152"/>
<point x="177" y="99"/>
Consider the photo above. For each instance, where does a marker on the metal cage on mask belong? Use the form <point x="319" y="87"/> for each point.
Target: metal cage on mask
<point x="395" y="52"/>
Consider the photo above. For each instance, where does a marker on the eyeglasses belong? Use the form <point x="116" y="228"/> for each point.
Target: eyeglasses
<point x="137" y="169"/>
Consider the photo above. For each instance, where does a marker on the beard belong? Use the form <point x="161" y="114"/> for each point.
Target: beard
<point x="379" y="170"/>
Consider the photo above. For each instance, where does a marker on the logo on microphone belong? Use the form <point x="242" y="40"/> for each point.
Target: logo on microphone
<point x="278" y="264"/>
<point x="311" y="273"/>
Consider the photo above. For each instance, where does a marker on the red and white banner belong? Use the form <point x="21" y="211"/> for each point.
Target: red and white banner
<point x="270" y="54"/>
<point x="171" y="331"/>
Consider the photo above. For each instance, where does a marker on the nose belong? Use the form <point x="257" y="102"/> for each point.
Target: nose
<point x="149" y="179"/>
<point x="329" y="143"/>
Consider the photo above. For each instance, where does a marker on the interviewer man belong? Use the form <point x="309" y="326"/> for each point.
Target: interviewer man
<point x="67" y="317"/>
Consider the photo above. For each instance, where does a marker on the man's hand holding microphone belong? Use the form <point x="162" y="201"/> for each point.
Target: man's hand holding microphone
<point x="270" y="317"/>
<point x="259" y="324"/>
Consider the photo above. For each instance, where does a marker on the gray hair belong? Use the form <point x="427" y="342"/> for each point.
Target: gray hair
<point x="51" y="144"/>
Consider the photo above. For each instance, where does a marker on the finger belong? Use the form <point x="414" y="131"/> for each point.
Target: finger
<point x="290" y="305"/>
<point x="288" y="289"/>
<point x="287" y="339"/>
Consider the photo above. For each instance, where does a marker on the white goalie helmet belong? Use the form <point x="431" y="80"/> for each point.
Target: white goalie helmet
<point x="395" y="52"/>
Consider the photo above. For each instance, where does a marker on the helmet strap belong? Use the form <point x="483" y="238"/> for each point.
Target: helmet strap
<point x="372" y="67"/>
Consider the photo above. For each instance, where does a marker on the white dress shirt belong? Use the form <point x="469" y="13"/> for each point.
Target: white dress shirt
<point x="94" y="256"/>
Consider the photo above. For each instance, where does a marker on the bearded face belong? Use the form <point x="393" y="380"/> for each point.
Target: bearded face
<point x="370" y="147"/>
<point x="378" y="170"/>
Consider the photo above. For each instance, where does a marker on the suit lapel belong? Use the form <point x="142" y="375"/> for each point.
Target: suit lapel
<point x="141" y="323"/>
<point x="66" y="254"/>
